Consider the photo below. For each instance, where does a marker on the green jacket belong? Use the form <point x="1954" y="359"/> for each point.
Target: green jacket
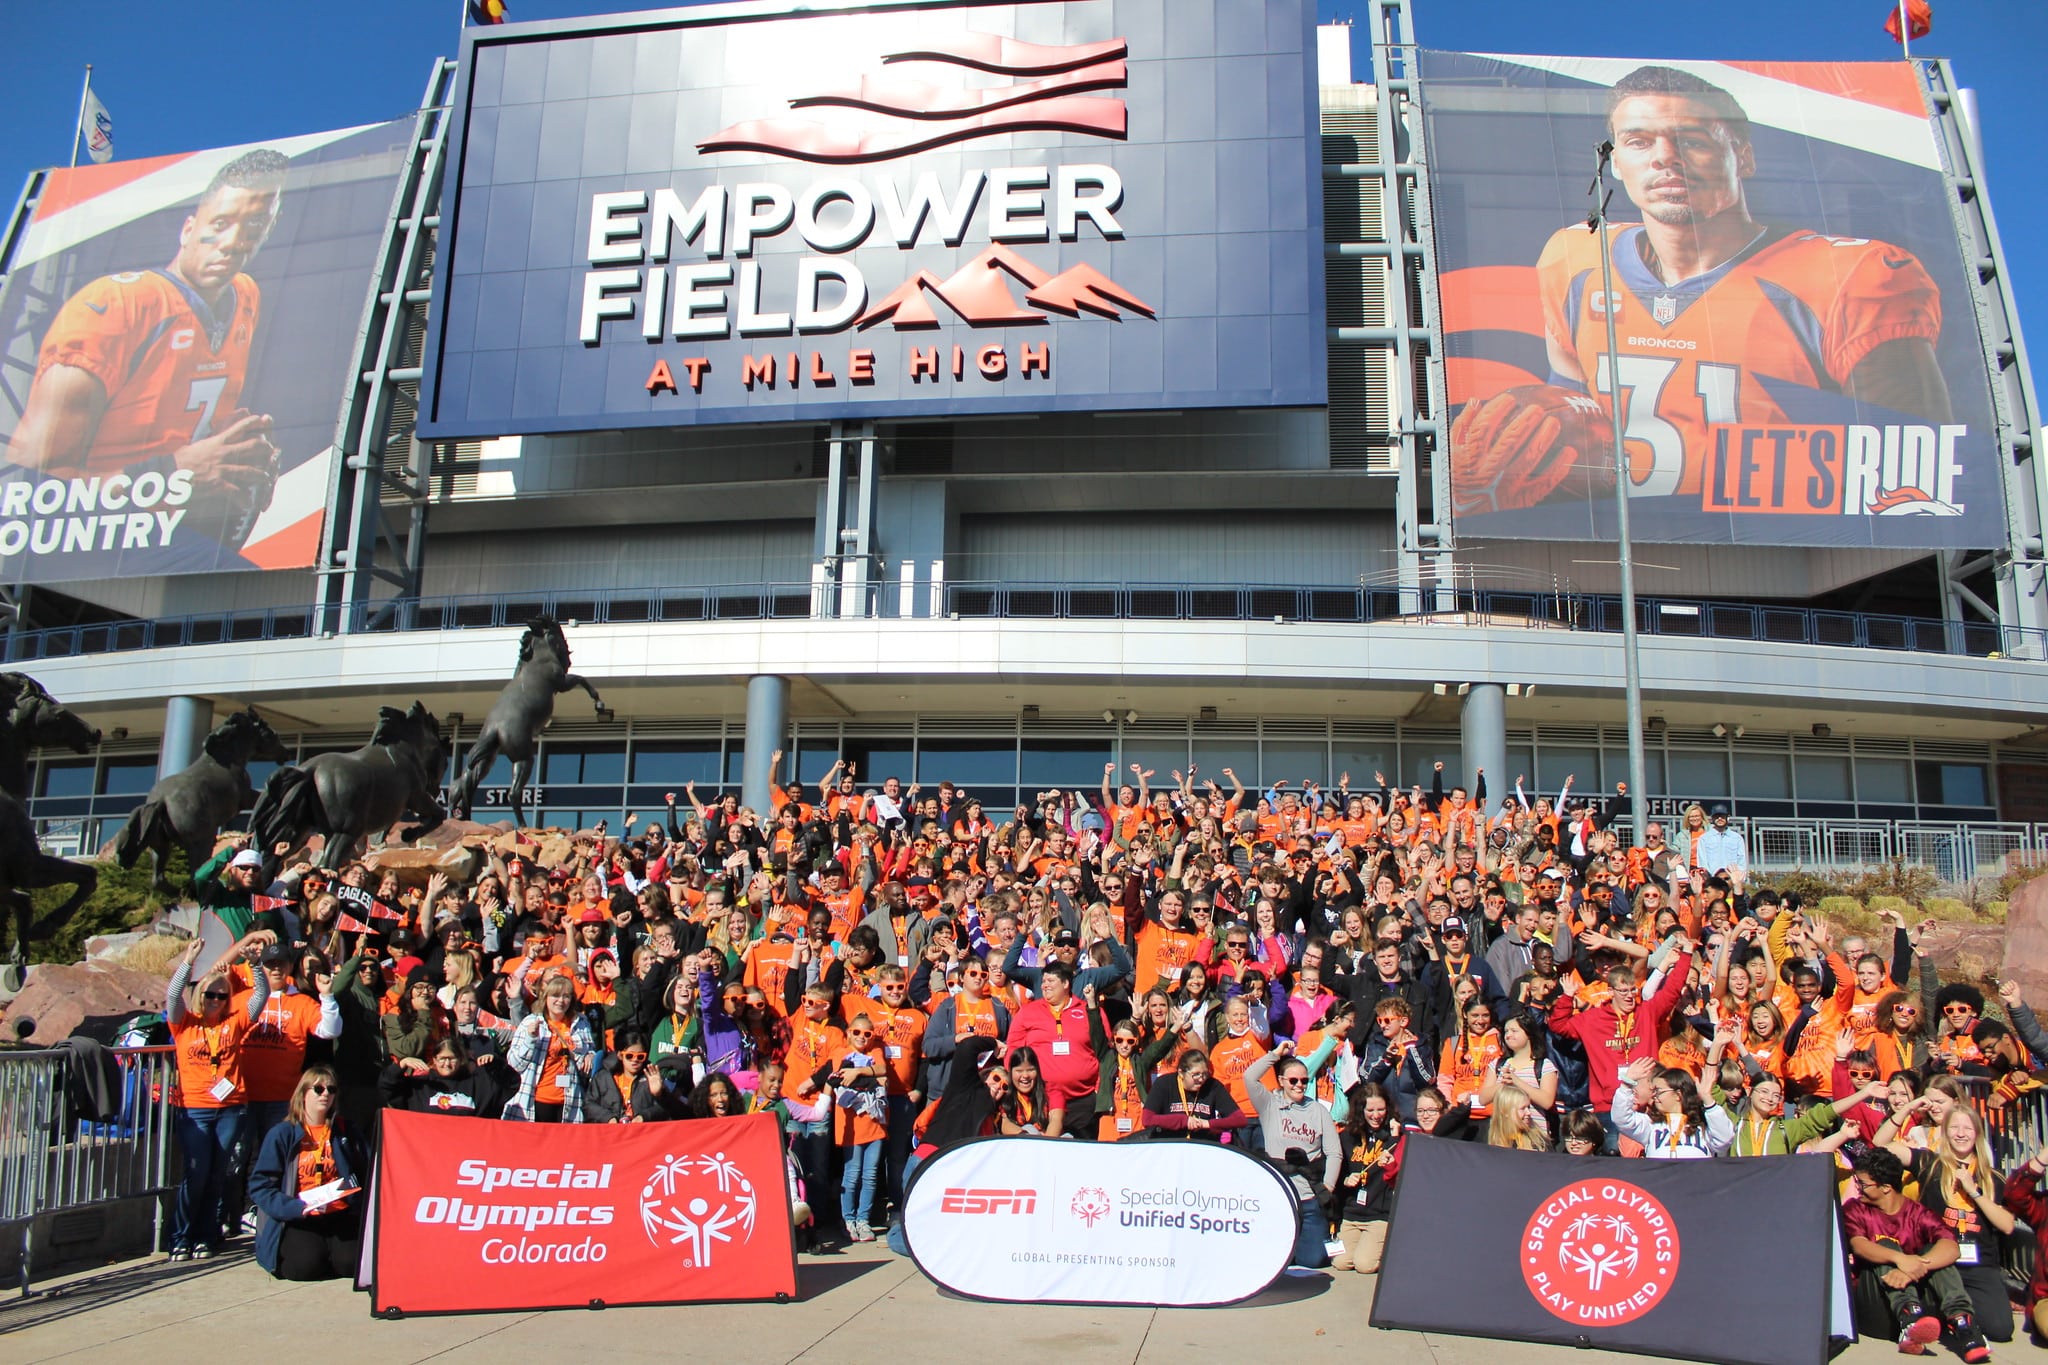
<point x="1780" y="1136"/>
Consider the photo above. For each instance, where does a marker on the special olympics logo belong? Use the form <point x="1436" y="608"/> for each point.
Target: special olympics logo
<point x="1089" y="1204"/>
<point x="1600" y="1253"/>
<point x="697" y="1202"/>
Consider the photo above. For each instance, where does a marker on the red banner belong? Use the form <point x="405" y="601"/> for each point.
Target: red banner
<point x="476" y="1215"/>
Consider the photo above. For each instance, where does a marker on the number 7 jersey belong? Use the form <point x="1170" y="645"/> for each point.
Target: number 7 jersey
<point x="168" y="363"/>
<point x="1727" y="349"/>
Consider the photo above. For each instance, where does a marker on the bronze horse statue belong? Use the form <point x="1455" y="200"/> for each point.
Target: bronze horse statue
<point x="346" y="796"/>
<point x="187" y="809"/>
<point x="522" y="711"/>
<point x="30" y="718"/>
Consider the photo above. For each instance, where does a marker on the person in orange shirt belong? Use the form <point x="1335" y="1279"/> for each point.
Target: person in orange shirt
<point x="860" y="1101"/>
<point x="815" y="1046"/>
<point x="1470" y="1056"/>
<point x="1232" y="1054"/>
<point x="211" y="1098"/>
<point x="1165" y="945"/>
<point x="899" y="1032"/>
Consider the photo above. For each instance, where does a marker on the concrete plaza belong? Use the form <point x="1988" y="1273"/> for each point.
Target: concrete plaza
<point x="866" y="1307"/>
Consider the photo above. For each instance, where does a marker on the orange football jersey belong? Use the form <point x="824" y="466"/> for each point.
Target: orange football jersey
<point x="168" y="364"/>
<point x="1795" y="308"/>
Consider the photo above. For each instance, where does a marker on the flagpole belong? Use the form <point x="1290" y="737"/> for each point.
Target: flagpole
<point x="78" y="124"/>
<point x="1905" y="32"/>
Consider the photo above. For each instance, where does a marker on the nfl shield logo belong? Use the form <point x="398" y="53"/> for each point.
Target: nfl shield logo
<point x="1664" y="308"/>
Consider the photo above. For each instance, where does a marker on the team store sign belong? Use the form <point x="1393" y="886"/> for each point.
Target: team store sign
<point x="478" y="1217"/>
<point x="1038" y="1220"/>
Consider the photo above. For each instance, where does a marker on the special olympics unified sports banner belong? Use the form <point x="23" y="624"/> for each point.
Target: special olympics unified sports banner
<point x="1039" y="1220"/>
<point x="1798" y="350"/>
<point x="480" y="1215"/>
<point x="1659" y="1257"/>
<point x="175" y="338"/>
<point x="932" y="208"/>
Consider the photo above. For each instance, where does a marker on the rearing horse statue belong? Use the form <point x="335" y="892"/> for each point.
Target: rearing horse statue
<point x="187" y="809"/>
<point x="30" y="718"/>
<point x="521" y="712"/>
<point x="345" y="796"/>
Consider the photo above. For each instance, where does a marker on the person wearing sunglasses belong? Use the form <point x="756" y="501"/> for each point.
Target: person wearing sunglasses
<point x="1301" y="1138"/>
<point x="212" y="1101"/>
<point x="452" y="1084"/>
<point x="629" y="1089"/>
<point x="307" y="1184"/>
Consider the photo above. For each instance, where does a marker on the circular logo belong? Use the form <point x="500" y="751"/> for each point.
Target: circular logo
<point x="1089" y="1204"/>
<point x="696" y="1203"/>
<point x="1600" y="1253"/>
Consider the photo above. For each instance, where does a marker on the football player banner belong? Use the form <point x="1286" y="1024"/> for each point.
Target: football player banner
<point x="1655" y="1257"/>
<point x="175" y="339"/>
<point x="483" y="1215"/>
<point x="1797" y="346"/>
<point x="1151" y="1224"/>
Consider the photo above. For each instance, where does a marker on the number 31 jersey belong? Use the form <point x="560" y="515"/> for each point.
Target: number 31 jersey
<point x="1794" y="308"/>
<point x="169" y="363"/>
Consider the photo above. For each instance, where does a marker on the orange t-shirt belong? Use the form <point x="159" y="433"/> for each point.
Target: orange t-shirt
<point x="1230" y="1059"/>
<point x="768" y="964"/>
<point x="1127" y="1099"/>
<point x="561" y="1044"/>
<point x="1464" y="1067"/>
<point x="899" y="1032"/>
<point x="274" y="1052"/>
<point x="974" y="1016"/>
<point x="210" y="1060"/>
<point x="316" y="1163"/>
<point x="1164" y="954"/>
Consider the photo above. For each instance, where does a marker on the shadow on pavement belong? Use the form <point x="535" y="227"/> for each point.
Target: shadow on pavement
<point x="101" y="1291"/>
<point x="1291" y="1289"/>
<point x="816" y="1278"/>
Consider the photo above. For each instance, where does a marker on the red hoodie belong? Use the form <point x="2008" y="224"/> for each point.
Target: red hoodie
<point x="1598" y="1031"/>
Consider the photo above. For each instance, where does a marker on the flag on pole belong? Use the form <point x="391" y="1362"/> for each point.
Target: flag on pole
<point x="349" y="924"/>
<point x="1918" y="16"/>
<point x="487" y="11"/>
<point x="96" y="126"/>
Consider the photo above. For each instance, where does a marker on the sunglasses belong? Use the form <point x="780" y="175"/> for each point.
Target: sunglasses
<point x="1856" y="1074"/>
<point x="320" y="1089"/>
<point x="1294" y="1080"/>
<point x="634" y="1056"/>
<point x="218" y="995"/>
<point x="1905" y="1009"/>
<point x="858" y="1033"/>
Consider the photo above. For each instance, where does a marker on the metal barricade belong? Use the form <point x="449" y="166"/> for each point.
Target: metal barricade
<point x="2017" y="1129"/>
<point x="1784" y="845"/>
<point x="52" y="1161"/>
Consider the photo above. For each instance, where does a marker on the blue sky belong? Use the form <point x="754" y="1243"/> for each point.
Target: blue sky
<point x="178" y="77"/>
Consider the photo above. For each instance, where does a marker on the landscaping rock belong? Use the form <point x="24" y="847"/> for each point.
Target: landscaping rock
<point x="59" y="998"/>
<point x="2026" y="940"/>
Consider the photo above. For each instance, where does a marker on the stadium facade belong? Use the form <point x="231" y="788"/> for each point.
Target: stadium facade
<point x="1224" y="531"/>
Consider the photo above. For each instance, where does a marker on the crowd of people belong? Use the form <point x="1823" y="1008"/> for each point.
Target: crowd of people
<point x="1311" y="974"/>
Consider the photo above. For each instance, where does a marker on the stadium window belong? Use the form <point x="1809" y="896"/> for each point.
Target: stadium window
<point x="127" y="776"/>
<point x="1699" y="774"/>
<point x="1952" y="784"/>
<point x="1885" y="780"/>
<point x="1822" y="777"/>
<point x="1763" y="777"/>
<point x="67" y="779"/>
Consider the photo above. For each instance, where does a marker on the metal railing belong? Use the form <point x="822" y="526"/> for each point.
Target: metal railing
<point x="1008" y="600"/>
<point x="52" y="1161"/>
<point x="1955" y="851"/>
<point x="2017" y="1129"/>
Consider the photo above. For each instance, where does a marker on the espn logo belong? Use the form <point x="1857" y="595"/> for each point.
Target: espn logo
<point x="956" y="1200"/>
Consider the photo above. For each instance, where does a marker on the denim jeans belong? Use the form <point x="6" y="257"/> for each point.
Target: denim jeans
<point x="857" y="1185"/>
<point x="206" y="1143"/>
<point x="812" y="1144"/>
<point x="902" y="1115"/>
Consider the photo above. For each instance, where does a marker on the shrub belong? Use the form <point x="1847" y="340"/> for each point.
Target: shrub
<point x="124" y="900"/>
<point x="1948" y="908"/>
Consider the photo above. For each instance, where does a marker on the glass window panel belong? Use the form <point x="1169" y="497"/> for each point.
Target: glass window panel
<point x="1294" y="762"/>
<point x="674" y="762"/>
<point x="1763" y="777"/>
<point x="68" y="779"/>
<point x="1064" y="763"/>
<point x="1162" y="756"/>
<point x="259" y="773"/>
<point x="735" y="760"/>
<point x="589" y="763"/>
<point x="1823" y="777"/>
<point x="127" y="776"/>
<point x="1521" y="763"/>
<point x="1362" y="758"/>
<point x="1556" y="762"/>
<point x="876" y="763"/>
<point x="500" y="774"/>
<point x="1420" y="754"/>
<point x="1699" y="776"/>
<point x="815" y="755"/>
<point x="1212" y="756"/>
<point x="1953" y="784"/>
<point x="987" y="768"/>
<point x="1883" y="779"/>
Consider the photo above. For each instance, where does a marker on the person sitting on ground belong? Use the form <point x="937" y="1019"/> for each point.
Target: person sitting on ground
<point x="307" y="1183"/>
<point x="1904" y="1259"/>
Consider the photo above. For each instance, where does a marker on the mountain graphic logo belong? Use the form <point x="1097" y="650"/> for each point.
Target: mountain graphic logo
<point x="892" y="114"/>
<point x="980" y="294"/>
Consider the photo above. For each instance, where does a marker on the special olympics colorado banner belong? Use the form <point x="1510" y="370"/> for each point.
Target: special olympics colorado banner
<point x="476" y="1215"/>
<point x="1038" y="1220"/>
<point x="1642" y="1256"/>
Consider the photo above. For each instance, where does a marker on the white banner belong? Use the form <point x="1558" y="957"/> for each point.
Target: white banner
<point x="1042" y="1220"/>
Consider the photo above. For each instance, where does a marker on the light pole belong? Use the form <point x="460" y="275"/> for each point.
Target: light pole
<point x="1632" y="671"/>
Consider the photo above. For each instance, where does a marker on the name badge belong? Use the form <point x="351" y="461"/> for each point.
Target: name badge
<point x="222" y="1088"/>
<point x="903" y="959"/>
<point x="1126" y="1125"/>
<point x="1966" y="1253"/>
<point x="895" y="1053"/>
<point x="1334" y="1248"/>
<point x="1061" y="1047"/>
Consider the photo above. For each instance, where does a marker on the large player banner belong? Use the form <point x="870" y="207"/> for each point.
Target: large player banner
<point x="1799" y="360"/>
<point x="478" y="1216"/>
<point x="1663" y="1258"/>
<point x="175" y="336"/>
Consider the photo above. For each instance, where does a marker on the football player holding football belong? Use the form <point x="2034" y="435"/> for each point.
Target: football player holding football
<point x="142" y="371"/>
<point x="1716" y="316"/>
